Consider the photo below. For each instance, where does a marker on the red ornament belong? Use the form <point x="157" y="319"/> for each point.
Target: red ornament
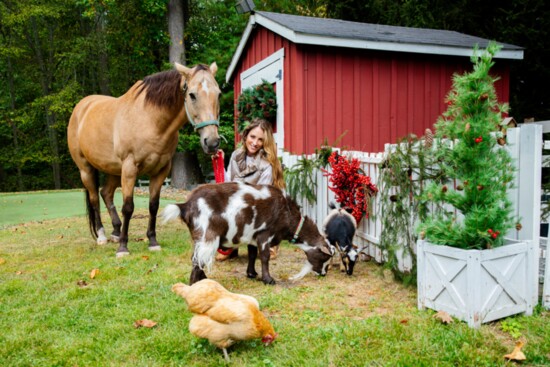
<point x="478" y="140"/>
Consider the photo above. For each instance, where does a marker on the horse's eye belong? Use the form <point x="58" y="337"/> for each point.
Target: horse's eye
<point x="193" y="97"/>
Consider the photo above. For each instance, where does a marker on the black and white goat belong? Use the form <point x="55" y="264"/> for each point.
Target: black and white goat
<point x="339" y="228"/>
<point x="262" y="216"/>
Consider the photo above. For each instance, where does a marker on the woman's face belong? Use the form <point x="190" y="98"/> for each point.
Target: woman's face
<point x="254" y="140"/>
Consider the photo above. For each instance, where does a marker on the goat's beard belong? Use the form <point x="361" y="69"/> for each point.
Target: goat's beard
<point x="305" y="270"/>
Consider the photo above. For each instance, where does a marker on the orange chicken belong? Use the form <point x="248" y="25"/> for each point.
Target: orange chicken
<point x="222" y="317"/>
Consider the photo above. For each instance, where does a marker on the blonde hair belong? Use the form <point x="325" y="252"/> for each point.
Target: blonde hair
<point x="270" y="149"/>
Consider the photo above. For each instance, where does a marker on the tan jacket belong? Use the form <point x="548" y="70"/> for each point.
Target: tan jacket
<point x="254" y="170"/>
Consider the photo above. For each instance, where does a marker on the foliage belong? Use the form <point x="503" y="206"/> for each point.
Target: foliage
<point x="472" y="157"/>
<point x="300" y="179"/>
<point x="512" y="326"/>
<point x="259" y="101"/>
<point x="352" y="187"/>
<point x="404" y="174"/>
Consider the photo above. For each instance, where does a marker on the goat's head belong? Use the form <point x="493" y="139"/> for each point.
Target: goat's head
<point x="318" y="259"/>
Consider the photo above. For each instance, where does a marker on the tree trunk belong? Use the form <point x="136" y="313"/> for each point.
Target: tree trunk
<point x="186" y="171"/>
<point x="176" y="28"/>
<point x="20" y="183"/>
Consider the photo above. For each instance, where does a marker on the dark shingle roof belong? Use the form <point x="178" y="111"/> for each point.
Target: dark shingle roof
<point x="378" y="33"/>
<point x="341" y="33"/>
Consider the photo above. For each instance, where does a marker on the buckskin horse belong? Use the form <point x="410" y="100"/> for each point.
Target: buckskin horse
<point x="137" y="134"/>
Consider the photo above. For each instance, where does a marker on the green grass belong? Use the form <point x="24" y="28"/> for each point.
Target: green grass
<point x="47" y="319"/>
<point x="16" y="208"/>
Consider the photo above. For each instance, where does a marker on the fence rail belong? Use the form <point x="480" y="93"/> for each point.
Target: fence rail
<point x="524" y="145"/>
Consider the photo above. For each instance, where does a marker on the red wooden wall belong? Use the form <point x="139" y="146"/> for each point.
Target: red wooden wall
<point x="372" y="97"/>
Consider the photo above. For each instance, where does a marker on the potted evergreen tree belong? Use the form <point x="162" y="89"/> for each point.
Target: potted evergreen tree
<point x="465" y="265"/>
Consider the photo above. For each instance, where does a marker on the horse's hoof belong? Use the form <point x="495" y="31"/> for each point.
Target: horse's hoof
<point x="115" y="239"/>
<point x="122" y="254"/>
<point x="270" y="281"/>
<point x="155" y="248"/>
<point x="102" y="241"/>
<point x="251" y="275"/>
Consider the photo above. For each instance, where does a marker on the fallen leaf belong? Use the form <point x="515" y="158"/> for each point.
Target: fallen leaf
<point x="60" y="236"/>
<point x="2" y="261"/>
<point x="444" y="317"/>
<point x="517" y="354"/>
<point x="94" y="273"/>
<point x="152" y="269"/>
<point x="82" y="283"/>
<point x="404" y="321"/>
<point x="18" y="272"/>
<point x="144" y="323"/>
<point x="145" y="257"/>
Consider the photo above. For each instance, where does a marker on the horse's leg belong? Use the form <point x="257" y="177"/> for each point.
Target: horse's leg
<point x="155" y="185"/>
<point x="108" y="193"/>
<point x="90" y="179"/>
<point x="128" y="180"/>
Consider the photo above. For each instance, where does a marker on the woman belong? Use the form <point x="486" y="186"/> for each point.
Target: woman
<point x="255" y="162"/>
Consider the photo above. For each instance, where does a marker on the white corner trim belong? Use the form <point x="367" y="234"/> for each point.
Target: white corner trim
<point x="240" y="47"/>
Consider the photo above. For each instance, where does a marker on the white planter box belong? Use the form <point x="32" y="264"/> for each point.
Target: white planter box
<point x="477" y="286"/>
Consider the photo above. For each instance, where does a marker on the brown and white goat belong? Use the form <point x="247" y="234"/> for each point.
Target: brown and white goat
<point x="262" y="216"/>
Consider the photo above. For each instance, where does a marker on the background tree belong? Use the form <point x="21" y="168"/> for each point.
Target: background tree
<point x="54" y="52"/>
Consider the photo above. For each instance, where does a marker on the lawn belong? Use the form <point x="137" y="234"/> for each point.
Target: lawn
<point x="16" y="208"/>
<point x="53" y="313"/>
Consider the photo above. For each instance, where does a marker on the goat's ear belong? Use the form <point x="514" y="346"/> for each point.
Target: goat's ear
<point x="328" y="250"/>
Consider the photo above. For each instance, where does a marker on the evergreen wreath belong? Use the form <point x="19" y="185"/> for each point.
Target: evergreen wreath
<point x="352" y="187"/>
<point x="259" y="101"/>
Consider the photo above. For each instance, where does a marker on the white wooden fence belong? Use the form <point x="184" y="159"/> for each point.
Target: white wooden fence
<point x="525" y="147"/>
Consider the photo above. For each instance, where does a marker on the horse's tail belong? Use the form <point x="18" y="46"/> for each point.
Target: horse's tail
<point x="92" y="223"/>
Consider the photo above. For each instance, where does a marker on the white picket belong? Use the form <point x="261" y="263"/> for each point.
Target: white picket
<point x="525" y="147"/>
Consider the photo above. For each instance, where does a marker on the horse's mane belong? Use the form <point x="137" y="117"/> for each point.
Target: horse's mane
<point x="162" y="89"/>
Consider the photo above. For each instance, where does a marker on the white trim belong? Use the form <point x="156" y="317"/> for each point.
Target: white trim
<point x="240" y="48"/>
<point x="274" y="57"/>
<point x="310" y="39"/>
<point x="270" y="69"/>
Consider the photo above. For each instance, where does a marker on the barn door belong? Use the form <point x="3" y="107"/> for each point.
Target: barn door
<point x="271" y="70"/>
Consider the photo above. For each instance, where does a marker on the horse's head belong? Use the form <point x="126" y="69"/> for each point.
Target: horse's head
<point x="201" y="93"/>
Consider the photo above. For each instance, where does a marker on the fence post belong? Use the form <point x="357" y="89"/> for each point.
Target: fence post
<point x="528" y="178"/>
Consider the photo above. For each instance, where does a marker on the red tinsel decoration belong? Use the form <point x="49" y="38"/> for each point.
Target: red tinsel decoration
<point x="217" y="165"/>
<point x="352" y="187"/>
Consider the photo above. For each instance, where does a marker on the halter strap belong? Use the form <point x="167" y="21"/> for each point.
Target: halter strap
<point x="297" y="233"/>
<point x="200" y="125"/>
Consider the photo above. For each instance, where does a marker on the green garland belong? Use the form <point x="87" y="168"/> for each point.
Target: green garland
<point x="259" y="101"/>
<point x="403" y="176"/>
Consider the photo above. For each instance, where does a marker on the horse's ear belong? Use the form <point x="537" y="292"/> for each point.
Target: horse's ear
<point x="185" y="71"/>
<point x="213" y="68"/>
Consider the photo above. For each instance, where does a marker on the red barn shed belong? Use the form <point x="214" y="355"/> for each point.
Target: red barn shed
<point x="375" y="83"/>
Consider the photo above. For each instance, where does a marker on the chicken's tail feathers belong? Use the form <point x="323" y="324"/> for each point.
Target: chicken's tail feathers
<point x="180" y="289"/>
